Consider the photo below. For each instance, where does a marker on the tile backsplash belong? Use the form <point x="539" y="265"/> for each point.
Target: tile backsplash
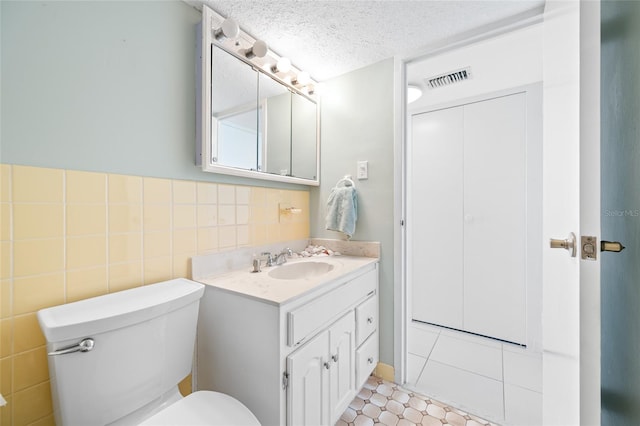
<point x="67" y="235"/>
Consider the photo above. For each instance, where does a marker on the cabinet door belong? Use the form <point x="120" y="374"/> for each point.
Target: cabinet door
<point x="341" y="360"/>
<point x="308" y="391"/>
<point x="467" y="217"/>
<point x="495" y="217"/>
<point x="435" y="206"/>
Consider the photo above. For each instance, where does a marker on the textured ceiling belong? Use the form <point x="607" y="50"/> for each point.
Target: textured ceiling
<point x="329" y="38"/>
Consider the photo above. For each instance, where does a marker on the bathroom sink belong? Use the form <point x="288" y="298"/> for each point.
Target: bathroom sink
<point x="294" y="271"/>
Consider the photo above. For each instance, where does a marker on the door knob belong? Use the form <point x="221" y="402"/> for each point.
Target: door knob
<point x="569" y="244"/>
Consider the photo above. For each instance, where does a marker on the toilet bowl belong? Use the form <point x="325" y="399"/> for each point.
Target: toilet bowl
<point x="203" y="408"/>
<point x="117" y="360"/>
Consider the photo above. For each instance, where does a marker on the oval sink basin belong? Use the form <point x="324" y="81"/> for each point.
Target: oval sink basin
<point x="300" y="270"/>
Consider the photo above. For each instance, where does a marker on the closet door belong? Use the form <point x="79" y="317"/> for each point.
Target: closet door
<point x="495" y="218"/>
<point x="434" y="217"/>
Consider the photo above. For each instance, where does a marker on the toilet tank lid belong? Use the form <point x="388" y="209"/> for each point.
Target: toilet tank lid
<point x="116" y="310"/>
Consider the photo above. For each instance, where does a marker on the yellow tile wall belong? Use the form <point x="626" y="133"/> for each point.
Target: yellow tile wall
<point x="67" y="235"/>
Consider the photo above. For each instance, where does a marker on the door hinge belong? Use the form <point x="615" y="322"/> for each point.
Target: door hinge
<point x="285" y="380"/>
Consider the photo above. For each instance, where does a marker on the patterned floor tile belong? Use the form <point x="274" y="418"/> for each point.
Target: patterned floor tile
<point x="384" y="403"/>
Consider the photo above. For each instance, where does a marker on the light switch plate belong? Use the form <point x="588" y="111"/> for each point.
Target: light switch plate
<point x="363" y="169"/>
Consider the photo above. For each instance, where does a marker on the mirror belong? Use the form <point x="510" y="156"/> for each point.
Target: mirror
<point x="251" y="123"/>
<point x="275" y="108"/>
<point x="304" y="131"/>
<point x="234" y="127"/>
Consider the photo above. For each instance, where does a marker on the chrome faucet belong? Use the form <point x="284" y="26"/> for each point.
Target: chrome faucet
<point x="282" y="256"/>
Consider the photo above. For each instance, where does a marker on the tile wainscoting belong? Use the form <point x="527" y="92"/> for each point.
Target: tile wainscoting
<point x="67" y="235"/>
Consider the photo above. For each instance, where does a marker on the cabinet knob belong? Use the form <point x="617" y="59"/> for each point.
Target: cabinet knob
<point x="370" y="360"/>
<point x="327" y="365"/>
<point x="370" y="320"/>
<point x="334" y="358"/>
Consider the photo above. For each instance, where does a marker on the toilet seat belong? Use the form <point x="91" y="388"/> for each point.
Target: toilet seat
<point x="204" y="408"/>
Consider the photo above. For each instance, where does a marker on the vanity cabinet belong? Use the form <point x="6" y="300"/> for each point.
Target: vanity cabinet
<point x="321" y="375"/>
<point x="298" y="362"/>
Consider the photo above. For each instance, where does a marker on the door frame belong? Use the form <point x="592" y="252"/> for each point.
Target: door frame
<point x="584" y="405"/>
<point x="401" y="119"/>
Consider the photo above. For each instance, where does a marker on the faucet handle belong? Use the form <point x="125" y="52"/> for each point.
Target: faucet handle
<point x="268" y="256"/>
<point x="256" y="265"/>
<point x="287" y="251"/>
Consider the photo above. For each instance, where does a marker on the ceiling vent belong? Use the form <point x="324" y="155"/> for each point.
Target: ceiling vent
<point x="449" y="78"/>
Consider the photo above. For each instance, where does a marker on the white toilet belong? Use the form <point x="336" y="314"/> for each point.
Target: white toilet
<point x="117" y="359"/>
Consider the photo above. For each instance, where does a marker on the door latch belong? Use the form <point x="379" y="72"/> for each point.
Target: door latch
<point x="613" y="246"/>
<point x="589" y="247"/>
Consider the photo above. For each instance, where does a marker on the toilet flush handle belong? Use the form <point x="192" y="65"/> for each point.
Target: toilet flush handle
<point x="84" y="346"/>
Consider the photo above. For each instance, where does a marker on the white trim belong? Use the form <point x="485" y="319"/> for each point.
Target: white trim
<point x="590" y="212"/>
<point x="399" y="293"/>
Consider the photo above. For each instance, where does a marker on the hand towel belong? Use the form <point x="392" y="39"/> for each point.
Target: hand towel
<point x="342" y="210"/>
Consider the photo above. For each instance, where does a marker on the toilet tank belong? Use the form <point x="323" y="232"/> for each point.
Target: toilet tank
<point x="143" y="347"/>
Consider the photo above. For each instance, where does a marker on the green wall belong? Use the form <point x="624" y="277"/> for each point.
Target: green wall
<point x="102" y="86"/>
<point x="110" y="86"/>
<point x="357" y="124"/>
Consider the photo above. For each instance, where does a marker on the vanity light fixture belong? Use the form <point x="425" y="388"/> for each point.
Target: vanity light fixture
<point x="229" y="29"/>
<point x="227" y="34"/>
<point x="259" y="49"/>
<point x="283" y="65"/>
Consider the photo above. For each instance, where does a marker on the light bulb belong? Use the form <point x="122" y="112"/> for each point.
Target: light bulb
<point x="228" y="29"/>
<point x="303" y="78"/>
<point x="283" y="65"/>
<point x="258" y="49"/>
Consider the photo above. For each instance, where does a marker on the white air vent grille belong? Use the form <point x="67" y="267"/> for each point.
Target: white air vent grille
<point x="449" y="78"/>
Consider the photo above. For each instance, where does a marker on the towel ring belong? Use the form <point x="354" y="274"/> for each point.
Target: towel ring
<point x="347" y="181"/>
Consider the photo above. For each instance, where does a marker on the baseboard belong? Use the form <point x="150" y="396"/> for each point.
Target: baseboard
<point x="384" y="372"/>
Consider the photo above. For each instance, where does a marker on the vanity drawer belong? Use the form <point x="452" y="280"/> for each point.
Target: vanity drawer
<point x="310" y="317"/>
<point x="366" y="319"/>
<point x="366" y="359"/>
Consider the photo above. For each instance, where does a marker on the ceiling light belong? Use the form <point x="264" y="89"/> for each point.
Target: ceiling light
<point x="413" y="93"/>
<point x="283" y="65"/>
<point x="228" y="29"/>
<point x="258" y="49"/>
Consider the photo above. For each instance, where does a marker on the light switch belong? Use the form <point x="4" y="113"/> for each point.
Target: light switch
<point x="363" y="169"/>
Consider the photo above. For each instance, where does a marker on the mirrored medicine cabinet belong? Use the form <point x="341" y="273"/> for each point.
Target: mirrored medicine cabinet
<point x="250" y="122"/>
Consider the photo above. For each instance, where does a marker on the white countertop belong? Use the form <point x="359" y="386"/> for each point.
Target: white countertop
<point x="278" y="291"/>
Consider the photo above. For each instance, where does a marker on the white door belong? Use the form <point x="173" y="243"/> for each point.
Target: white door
<point x="342" y="371"/>
<point x="571" y="190"/>
<point x="308" y="392"/>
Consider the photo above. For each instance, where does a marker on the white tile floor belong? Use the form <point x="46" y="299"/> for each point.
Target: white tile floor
<point x="499" y="381"/>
